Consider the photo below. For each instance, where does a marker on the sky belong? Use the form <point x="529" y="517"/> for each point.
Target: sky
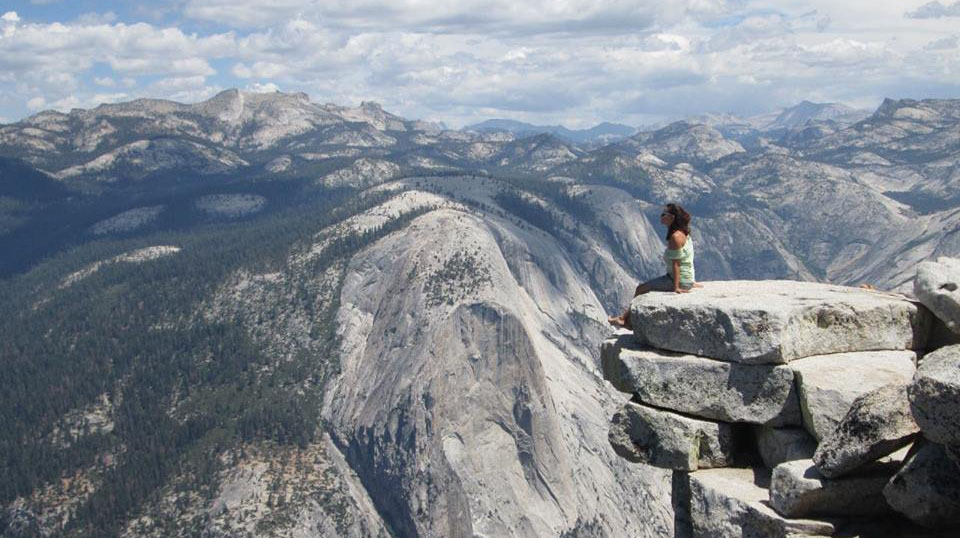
<point x="570" y="62"/>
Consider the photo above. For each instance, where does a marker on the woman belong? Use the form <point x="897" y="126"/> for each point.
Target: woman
<point x="680" y="276"/>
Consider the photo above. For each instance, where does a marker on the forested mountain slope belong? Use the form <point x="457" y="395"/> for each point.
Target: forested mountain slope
<point x="261" y="316"/>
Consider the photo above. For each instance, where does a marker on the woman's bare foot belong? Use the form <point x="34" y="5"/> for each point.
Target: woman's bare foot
<point x="697" y="285"/>
<point x="617" y="321"/>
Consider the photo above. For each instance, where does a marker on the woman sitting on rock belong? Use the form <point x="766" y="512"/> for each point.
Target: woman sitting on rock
<point x="679" y="257"/>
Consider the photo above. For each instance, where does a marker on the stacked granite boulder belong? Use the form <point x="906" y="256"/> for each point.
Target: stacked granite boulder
<point x="927" y="488"/>
<point x="785" y="409"/>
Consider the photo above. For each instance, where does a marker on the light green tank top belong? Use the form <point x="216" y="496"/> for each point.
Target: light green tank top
<point x="685" y="255"/>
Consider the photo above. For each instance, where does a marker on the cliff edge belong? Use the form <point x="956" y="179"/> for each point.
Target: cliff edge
<point x="795" y="408"/>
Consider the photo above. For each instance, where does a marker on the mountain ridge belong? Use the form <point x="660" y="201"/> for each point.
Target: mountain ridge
<point x="310" y="319"/>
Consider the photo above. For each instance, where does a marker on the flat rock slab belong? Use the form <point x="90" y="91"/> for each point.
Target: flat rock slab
<point x="797" y="489"/>
<point x="779" y="445"/>
<point x="777" y="321"/>
<point x="707" y="388"/>
<point x="927" y="488"/>
<point x="877" y="424"/>
<point x="733" y="503"/>
<point x="935" y="395"/>
<point x="668" y="440"/>
<point x="828" y="384"/>
<point x="937" y="286"/>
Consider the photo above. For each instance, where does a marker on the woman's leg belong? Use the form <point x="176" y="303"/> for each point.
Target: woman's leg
<point x="661" y="283"/>
<point x="643" y="287"/>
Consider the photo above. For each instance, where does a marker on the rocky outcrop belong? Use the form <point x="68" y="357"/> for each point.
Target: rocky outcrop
<point x="828" y="384"/>
<point x="798" y="489"/>
<point x="769" y="322"/>
<point x="937" y="286"/>
<point x="935" y="396"/>
<point x="822" y="373"/>
<point x="877" y="424"/>
<point x="927" y="488"/>
<point x="670" y="441"/>
<point x="464" y="404"/>
<point x="778" y="445"/>
<point x="708" y="388"/>
<point x="734" y="502"/>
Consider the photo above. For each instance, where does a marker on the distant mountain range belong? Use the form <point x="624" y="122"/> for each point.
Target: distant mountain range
<point x="602" y="133"/>
<point x="262" y="316"/>
<point x="747" y="128"/>
<point x="789" y="118"/>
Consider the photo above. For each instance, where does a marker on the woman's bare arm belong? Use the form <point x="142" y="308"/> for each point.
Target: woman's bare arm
<point x="676" y="277"/>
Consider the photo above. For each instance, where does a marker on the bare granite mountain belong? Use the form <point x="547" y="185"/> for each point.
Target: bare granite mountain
<point x="261" y="316"/>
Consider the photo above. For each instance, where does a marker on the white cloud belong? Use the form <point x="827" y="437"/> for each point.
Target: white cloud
<point x="266" y="87"/>
<point x="622" y="60"/>
<point x="945" y="43"/>
<point x="66" y="104"/>
<point x="36" y="103"/>
<point x="50" y="59"/>
<point x="241" y="71"/>
<point x="186" y="89"/>
<point x="728" y="56"/>
<point x="100" y="98"/>
<point x="8" y="24"/>
<point x="172" y="85"/>
<point x="69" y="102"/>
<point x="97" y="18"/>
<point x="260" y="70"/>
<point x="843" y="53"/>
<point x="490" y="17"/>
<point x="935" y="10"/>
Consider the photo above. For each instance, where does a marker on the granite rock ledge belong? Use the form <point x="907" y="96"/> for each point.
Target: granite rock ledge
<point x="777" y="321"/>
<point x="774" y="363"/>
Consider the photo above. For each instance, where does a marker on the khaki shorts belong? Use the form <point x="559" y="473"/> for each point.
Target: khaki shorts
<point x="664" y="283"/>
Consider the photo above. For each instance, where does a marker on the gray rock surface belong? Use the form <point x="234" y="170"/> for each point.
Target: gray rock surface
<point x="877" y="424"/>
<point x="937" y="286"/>
<point x="778" y="445"/>
<point x="797" y="489"/>
<point x="776" y="321"/>
<point x="935" y="395"/>
<point x="470" y="435"/>
<point x="668" y="440"/>
<point x="927" y="488"/>
<point x="611" y="366"/>
<point x="707" y="388"/>
<point x="941" y="335"/>
<point x="828" y="384"/>
<point x="733" y="503"/>
<point x="462" y="416"/>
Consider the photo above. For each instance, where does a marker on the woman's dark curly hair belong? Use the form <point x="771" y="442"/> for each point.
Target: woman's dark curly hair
<point x="681" y="220"/>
